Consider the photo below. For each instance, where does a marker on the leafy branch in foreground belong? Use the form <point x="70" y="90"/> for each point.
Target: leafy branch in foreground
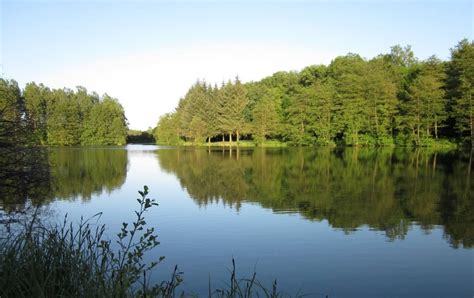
<point x="75" y="260"/>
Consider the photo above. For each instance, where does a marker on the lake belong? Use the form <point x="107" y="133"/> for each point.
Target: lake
<point x="354" y="222"/>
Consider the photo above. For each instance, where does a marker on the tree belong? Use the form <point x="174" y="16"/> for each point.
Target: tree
<point x="423" y="111"/>
<point x="430" y="86"/>
<point x="106" y="124"/>
<point x="167" y="129"/>
<point x="36" y="100"/>
<point x="233" y="103"/>
<point x="392" y="98"/>
<point x="403" y="57"/>
<point x="348" y="74"/>
<point x="64" y="123"/>
<point x="380" y="94"/>
<point x="324" y="112"/>
<point x="265" y="119"/>
<point x="197" y="129"/>
<point x="311" y="74"/>
<point x="14" y="125"/>
<point x="460" y="89"/>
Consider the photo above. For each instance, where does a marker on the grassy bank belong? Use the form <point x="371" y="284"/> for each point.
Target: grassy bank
<point x="240" y="144"/>
<point x="428" y="143"/>
<point x="246" y="143"/>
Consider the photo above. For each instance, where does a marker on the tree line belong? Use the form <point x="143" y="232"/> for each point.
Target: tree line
<point x="38" y="115"/>
<point x="392" y="99"/>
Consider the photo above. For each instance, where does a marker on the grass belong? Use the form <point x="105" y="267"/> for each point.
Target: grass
<point x="68" y="260"/>
<point x="240" y="144"/>
<point x="76" y="260"/>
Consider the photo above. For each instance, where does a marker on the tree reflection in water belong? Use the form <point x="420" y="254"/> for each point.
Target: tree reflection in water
<point x="40" y="175"/>
<point x="386" y="189"/>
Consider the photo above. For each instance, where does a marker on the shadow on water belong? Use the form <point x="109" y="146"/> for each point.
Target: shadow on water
<point x="387" y="189"/>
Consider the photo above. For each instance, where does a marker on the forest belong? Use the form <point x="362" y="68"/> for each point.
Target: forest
<point x="392" y="99"/>
<point x="39" y="115"/>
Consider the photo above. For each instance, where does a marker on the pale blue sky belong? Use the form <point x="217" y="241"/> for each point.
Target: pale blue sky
<point x="147" y="53"/>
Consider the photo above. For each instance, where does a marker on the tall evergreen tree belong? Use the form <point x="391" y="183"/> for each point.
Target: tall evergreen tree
<point x="234" y="101"/>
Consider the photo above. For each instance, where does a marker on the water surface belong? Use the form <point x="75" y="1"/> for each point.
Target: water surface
<point x="353" y="222"/>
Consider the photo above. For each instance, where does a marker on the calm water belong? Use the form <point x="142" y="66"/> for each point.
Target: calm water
<point x="346" y="223"/>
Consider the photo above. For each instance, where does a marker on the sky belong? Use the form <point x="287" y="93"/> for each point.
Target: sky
<point x="148" y="53"/>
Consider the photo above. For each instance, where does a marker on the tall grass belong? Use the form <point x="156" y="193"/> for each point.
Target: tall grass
<point x="76" y="260"/>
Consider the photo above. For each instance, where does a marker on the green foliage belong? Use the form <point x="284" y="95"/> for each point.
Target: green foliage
<point x="298" y="116"/>
<point x="324" y="114"/>
<point x="460" y="89"/>
<point x="424" y="107"/>
<point x="64" y="121"/>
<point x="105" y="124"/>
<point x="71" y="260"/>
<point x="265" y="119"/>
<point x="231" y="111"/>
<point x="36" y="100"/>
<point x="167" y="130"/>
<point x="140" y="137"/>
<point x="78" y="260"/>
<point x="402" y="56"/>
<point x="63" y="117"/>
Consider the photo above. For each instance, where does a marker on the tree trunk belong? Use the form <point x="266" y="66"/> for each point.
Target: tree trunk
<point x="471" y="118"/>
<point x="230" y="137"/>
<point x="472" y="129"/>
<point x="418" y="134"/>
<point x="237" y="136"/>
<point x="436" y="129"/>
<point x="376" y="119"/>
